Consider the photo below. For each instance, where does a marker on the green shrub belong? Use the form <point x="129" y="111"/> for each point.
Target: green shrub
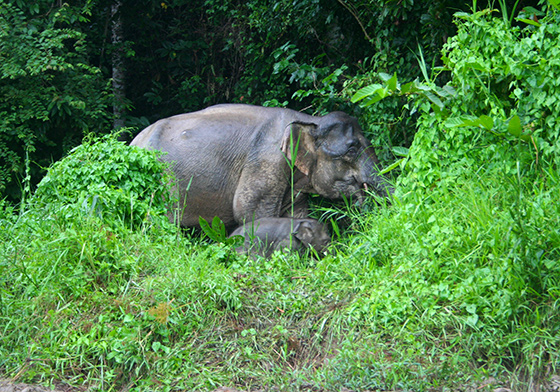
<point x="504" y="115"/>
<point x="105" y="177"/>
<point x="468" y="252"/>
<point x="475" y="269"/>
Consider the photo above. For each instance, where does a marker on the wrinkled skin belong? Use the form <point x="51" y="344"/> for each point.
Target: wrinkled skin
<point x="266" y="235"/>
<point x="240" y="162"/>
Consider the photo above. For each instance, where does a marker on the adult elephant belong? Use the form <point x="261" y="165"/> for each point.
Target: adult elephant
<point x="242" y="162"/>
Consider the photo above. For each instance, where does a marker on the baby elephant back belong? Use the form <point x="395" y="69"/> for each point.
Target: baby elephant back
<point x="266" y="235"/>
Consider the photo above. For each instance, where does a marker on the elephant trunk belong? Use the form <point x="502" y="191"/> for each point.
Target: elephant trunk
<point x="370" y="177"/>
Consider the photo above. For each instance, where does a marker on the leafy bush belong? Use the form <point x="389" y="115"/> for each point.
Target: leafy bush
<point x="475" y="205"/>
<point x="480" y="260"/>
<point x="105" y="177"/>
<point x="505" y="111"/>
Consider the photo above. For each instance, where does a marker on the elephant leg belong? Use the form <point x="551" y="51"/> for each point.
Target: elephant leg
<point x="250" y="204"/>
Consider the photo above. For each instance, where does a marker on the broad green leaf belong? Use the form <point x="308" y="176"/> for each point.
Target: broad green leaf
<point x="555" y="3"/>
<point x="384" y="92"/>
<point x="462" y="15"/>
<point x="365" y="92"/>
<point x="514" y="126"/>
<point x="408" y="88"/>
<point x="392" y="83"/>
<point x="434" y="98"/>
<point x="400" y="151"/>
<point x="376" y="98"/>
<point x="423" y="87"/>
<point x="472" y="320"/>
<point x="219" y="228"/>
<point x="483" y="121"/>
<point x="463" y="121"/>
<point x="450" y="91"/>
<point x="204" y="224"/>
<point x="210" y="232"/>
<point x="486" y="121"/>
<point x="477" y="65"/>
<point x="385" y="76"/>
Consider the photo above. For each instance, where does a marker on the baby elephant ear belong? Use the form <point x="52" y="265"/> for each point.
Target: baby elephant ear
<point x="303" y="231"/>
<point x="299" y="141"/>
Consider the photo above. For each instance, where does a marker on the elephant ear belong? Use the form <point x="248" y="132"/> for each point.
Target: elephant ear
<point x="299" y="140"/>
<point x="303" y="231"/>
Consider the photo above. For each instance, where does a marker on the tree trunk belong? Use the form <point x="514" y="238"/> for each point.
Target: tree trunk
<point x="118" y="65"/>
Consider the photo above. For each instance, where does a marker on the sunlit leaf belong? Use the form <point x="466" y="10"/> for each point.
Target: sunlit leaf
<point x="478" y="66"/>
<point x="486" y="122"/>
<point x="408" y="88"/>
<point x="392" y="83"/>
<point x="463" y="121"/>
<point x="400" y="151"/>
<point x="450" y="91"/>
<point x="483" y="121"/>
<point x="434" y="98"/>
<point x="381" y="94"/>
<point x="528" y="21"/>
<point x="385" y="76"/>
<point x="365" y="92"/>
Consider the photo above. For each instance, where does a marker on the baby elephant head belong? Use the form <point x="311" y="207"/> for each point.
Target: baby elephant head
<point x="312" y="234"/>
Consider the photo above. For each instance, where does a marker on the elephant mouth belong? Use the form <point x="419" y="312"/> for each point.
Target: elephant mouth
<point x="353" y="190"/>
<point x="361" y="194"/>
<point x="365" y="189"/>
<point x="350" y="188"/>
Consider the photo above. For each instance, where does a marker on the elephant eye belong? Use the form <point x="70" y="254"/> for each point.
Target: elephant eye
<point x="352" y="151"/>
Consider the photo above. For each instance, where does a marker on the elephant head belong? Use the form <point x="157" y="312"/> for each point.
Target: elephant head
<point x="312" y="234"/>
<point x="332" y="151"/>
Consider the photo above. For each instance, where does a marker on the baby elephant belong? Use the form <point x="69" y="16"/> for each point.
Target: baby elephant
<point x="266" y="235"/>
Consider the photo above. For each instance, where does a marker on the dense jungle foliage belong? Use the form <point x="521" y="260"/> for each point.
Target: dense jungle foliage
<point x="452" y="286"/>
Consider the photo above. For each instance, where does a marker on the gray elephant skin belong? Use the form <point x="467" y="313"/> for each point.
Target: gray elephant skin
<point x="266" y="235"/>
<point x="243" y="162"/>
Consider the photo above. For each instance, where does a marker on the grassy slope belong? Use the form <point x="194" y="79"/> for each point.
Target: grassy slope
<point x="458" y="281"/>
<point x="432" y="292"/>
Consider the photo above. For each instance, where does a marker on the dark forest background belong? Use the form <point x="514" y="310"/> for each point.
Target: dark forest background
<point x="92" y="66"/>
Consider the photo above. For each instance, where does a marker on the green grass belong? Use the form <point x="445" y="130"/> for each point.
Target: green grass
<point x="440" y="290"/>
<point x="455" y="283"/>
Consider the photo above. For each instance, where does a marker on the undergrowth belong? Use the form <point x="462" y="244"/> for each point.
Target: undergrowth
<point x="433" y="292"/>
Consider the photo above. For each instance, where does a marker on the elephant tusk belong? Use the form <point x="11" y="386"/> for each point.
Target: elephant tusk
<point x="365" y="187"/>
